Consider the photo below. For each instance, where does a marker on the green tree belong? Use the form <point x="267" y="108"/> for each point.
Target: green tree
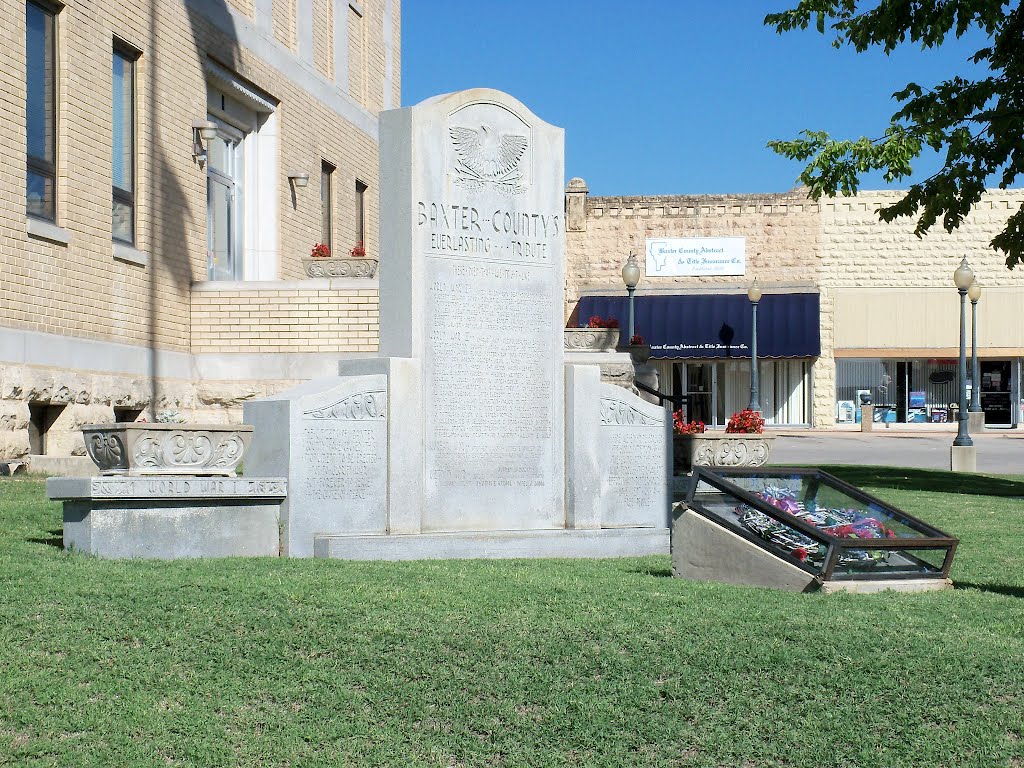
<point x="977" y="120"/>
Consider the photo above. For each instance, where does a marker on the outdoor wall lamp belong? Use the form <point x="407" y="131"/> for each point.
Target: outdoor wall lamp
<point x="298" y="179"/>
<point x="203" y="132"/>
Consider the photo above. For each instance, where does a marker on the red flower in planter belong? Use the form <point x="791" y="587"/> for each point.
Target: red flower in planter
<point x="681" y="427"/>
<point x="745" y="422"/>
<point x="636" y="340"/>
<point x="320" y="251"/>
<point x="596" y="321"/>
<point x="358" y="251"/>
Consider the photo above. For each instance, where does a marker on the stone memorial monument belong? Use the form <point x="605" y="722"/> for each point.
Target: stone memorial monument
<point x="454" y="442"/>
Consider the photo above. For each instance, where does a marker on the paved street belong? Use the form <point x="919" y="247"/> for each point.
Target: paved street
<point x="998" y="452"/>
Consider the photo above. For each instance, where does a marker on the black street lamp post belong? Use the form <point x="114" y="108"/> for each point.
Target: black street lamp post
<point x="962" y="278"/>
<point x="754" y="294"/>
<point x="631" y="277"/>
<point x="974" y="293"/>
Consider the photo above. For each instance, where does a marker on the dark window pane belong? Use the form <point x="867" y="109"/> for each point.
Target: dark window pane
<point x="326" y="169"/>
<point x="40" y="196"/>
<point x="124" y="109"/>
<point x="361" y="213"/>
<point x="40" y="82"/>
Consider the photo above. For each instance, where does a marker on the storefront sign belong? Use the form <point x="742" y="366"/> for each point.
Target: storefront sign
<point x="694" y="256"/>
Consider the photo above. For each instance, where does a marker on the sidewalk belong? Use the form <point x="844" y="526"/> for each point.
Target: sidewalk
<point x="999" y="451"/>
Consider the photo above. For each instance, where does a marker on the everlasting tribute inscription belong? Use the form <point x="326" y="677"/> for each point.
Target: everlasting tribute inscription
<point x="472" y="211"/>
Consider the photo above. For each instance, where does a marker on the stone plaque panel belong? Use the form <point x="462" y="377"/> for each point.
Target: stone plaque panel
<point x="335" y="457"/>
<point x="474" y="290"/>
<point x="635" y="440"/>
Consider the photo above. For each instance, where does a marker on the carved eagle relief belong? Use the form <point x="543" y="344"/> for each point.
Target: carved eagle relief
<point x="488" y="157"/>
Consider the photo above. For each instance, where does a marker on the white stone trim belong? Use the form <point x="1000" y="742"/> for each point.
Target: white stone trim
<point x="55" y="351"/>
<point x="234" y="87"/>
<point x="49" y="350"/>
<point x="47" y="231"/>
<point x="313" y="284"/>
<point x="249" y="36"/>
<point x="304" y="29"/>
<point x="129" y="255"/>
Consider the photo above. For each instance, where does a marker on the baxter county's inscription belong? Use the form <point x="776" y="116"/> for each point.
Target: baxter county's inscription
<point x="493" y="231"/>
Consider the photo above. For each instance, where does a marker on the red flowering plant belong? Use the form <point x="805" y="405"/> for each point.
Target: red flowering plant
<point x="596" y="321"/>
<point x="746" y="422"/>
<point x="681" y="427"/>
<point x="320" y="251"/>
<point x="636" y="340"/>
<point x="358" y="251"/>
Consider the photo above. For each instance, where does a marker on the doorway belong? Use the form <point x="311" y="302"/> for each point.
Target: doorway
<point x="995" y="395"/>
<point x="224" y="205"/>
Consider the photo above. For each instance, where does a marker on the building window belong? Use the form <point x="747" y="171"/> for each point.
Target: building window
<point x="40" y="111"/>
<point x="326" y="171"/>
<point x="361" y="213"/>
<point x="123" y="149"/>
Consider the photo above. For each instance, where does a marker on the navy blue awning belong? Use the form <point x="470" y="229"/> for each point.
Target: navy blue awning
<point x="716" y="325"/>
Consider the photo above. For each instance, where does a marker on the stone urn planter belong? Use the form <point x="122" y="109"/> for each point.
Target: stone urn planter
<point x="591" y="339"/>
<point x="719" y="449"/>
<point x="134" y="448"/>
<point x="338" y="266"/>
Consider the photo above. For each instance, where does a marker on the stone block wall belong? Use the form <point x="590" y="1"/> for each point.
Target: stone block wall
<point x="782" y="232"/>
<point x="325" y="316"/>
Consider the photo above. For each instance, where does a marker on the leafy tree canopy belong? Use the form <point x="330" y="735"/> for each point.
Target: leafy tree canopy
<point x="978" y="121"/>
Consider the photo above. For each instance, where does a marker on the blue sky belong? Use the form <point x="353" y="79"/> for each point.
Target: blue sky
<point x="669" y="97"/>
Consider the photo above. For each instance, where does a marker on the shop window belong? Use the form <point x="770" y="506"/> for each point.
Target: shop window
<point x="41" y="110"/>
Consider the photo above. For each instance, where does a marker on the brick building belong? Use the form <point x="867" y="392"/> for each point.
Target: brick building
<point x="850" y="304"/>
<point x="166" y="166"/>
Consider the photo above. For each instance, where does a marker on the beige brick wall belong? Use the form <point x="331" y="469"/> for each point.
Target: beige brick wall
<point x="79" y="289"/>
<point x="317" y="319"/>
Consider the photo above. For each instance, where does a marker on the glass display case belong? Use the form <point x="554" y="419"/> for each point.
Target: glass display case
<point x="821" y="524"/>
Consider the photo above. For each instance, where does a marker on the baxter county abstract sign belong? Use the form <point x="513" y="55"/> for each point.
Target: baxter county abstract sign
<point x="695" y="256"/>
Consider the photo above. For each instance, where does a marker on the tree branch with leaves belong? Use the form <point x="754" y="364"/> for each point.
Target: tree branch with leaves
<point x="978" y="123"/>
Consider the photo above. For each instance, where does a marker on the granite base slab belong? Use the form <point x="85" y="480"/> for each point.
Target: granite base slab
<point x="170" y="517"/>
<point x="472" y="545"/>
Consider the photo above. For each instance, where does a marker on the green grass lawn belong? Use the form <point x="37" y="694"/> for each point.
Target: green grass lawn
<point x="593" y="662"/>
